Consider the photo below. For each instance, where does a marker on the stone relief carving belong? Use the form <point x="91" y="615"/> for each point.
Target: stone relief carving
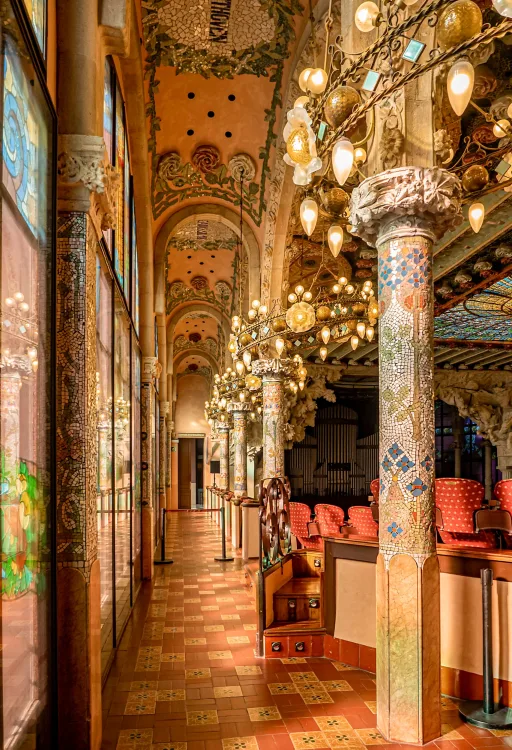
<point x="417" y="199"/>
<point x="206" y="158"/>
<point x="392" y="141"/>
<point x="241" y="166"/>
<point x="169" y="165"/>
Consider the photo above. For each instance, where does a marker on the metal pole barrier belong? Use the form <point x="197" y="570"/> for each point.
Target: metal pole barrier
<point x="162" y="560"/>
<point x="223" y="531"/>
<point x="487" y="715"/>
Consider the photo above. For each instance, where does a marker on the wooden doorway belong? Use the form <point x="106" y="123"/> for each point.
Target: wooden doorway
<point x="186" y="456"/>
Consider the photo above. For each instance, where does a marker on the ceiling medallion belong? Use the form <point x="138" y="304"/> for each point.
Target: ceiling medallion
<point x="199" y="283"/>
<point x="169" y="165"/>
<point x="206" y="158"/>
<point x="242" y="167"/>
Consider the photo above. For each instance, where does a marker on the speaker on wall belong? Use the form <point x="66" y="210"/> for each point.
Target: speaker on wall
<point x="214" y="467"/>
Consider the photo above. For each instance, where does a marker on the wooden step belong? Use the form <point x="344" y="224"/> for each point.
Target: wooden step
<point x="293" y="601"/>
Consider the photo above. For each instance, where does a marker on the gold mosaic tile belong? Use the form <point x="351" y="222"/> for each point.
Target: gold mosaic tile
<point x="243" y="671"/>
<point x="198" y="674"/>
<point x="201" y="718"/>
<point x="232" y="691"/>
<point x="336" y="686"/>
<point x="282" y="688"/>
<point x="305" y="740"/>
<point x="265" y="713"/>
<point x="240" y="743"/>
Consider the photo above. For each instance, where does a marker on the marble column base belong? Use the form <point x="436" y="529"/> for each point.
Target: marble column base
<point x="408" y="650"/>
<point x="79" y="649"/>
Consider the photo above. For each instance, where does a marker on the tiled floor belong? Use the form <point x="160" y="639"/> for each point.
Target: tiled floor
<point x="186" y="677"/>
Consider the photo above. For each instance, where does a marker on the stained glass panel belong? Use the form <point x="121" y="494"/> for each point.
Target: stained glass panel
<point x="120" y="164"/>
<point x="135" y="266"/>
<point x="126" y="223"/>
<point x="108" y="110"/>
<point x="25" y="395"/>
<point x="36" y="10"/>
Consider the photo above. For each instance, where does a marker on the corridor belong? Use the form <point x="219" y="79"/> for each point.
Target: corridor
<point x="186" y="677"/>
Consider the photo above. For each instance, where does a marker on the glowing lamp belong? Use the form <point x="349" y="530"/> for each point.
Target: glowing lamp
<point x="342" y="159"/>
<point x="301" y="101"/>
<point x="280" y="344"/>
<point x="317" y="81"/>
<point x="299" y="289"/>
<point x="246" y="356"/>
<point x="366" y="16"/>
<point x="370" y="333"/>
<point x="251" y="314"/>
<point x="308" y="216"/>
<point x="476" y="216"/>
<point x="325" y="334"/>
<point x="501" y="128"/>
<point x="361" y="330"/>
<point x="460" y="82"/>
<point x="360" y="153"/>
<point x="504" y="7"/>
<point x="354" y="342"/>
<point x="307" y="296"/>
<point x="335" y="239"/>
<point x="323" y="352"/>
<point x="303" y="79"/>
<point x="240" y="367"/>
<point x="292" y="298"/>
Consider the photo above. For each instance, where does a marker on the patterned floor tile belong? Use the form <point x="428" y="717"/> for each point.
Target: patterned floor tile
<point x="333" y="723"/>
<point x="140" y="702"/>
<point x="282" y="688"/>
<point x="174" y="629"/>
<point x="172" y="657"/>
<point x="195" y="641"/>
<point x="143" y="685"/>
<point x="214" y="628"/>
<point x="230" y="617"/>
<point x="240" y="743"/>
<point x="234" y="639"/>
<point x="303" y="677"/>
<point x="169" y="746"/>
<point x="449" y="733"/>
<point x="372" y="705"/>
<point x="371" y="737"/>
<point x="248" y="670"/>
<point x="342" y="667"/>
<point x="336" y="686"/>
<point x="201" y="718"/>
<point x="193" y="618"/>
<point x="265" y="713"/>
<point x="294" y="660"/>
<point x="233" y="691"/>
<point x="343" y="738"/>
<point x="140" y="739"/>
<point x="250" y="626"/>
<point x="198" y="674"/>
<point x="170" y="695"/>
<point x="192" y="601"/>
<point x="305" y="740"/>
<point x="219" y="655"/>
<point x="210" y="608"/>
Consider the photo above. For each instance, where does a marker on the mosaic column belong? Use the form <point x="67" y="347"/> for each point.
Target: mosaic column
<point x="273" y="373"/>
<point x="150" y="373"/>
<point x="402" y="212"/>
<point x="164" y="411"/>
<point x="239" y="432"/>
<point x="223" y="434"/>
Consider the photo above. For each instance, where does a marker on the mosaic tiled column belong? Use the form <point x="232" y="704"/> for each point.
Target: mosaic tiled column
<point x="150" y="372"/>
<point x="239" y="432"/>
<point x="402" y="211"/>
<point x="223" y="434"/>
<point x="273" y="373"/>
<point x="164" y="411"/>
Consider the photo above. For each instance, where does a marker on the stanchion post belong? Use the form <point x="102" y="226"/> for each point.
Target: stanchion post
<point x="162" y="560"/>
<point x="487" y="715"/>
<point x="223" y="532"/>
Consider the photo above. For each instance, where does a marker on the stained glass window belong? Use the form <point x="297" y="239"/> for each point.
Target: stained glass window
<point x="135" y="280"/>
<point x="108" y="109"/>
<point x="127" y="223"/>
<point x="36" y="10"/>
<point x="487" y="316"/>
<point x="121" y="165"/>
<point x="27" y="229"/>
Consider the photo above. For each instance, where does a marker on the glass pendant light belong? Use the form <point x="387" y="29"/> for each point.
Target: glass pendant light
<point x="335" y="239"/>
<point x="361" y="330"/>
<point x="240" y="367"/>
<point x="504" y="7"/>
<point x="365" y="16"/>
<point x="323" y="353"/>
<point x="460" y="82"/>
<point x="325" y="334"/>
<point x="246" y="356"/>
<point x="303" y="79"/>
<point x="501" y="128"/>
<point x="342" y="159"/>
<point x="317" y="81"/>
<point x="354" y="342"/>
<point x="370" y="332"/>
<point x="280" y="344"/>
<point x="308" y="215"/>
<point x="476" y="216"/>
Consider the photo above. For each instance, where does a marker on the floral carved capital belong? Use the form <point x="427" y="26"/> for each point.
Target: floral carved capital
<point x="406" y="201"/>
<point x="239" y="407"/>
<point x="242" y="167"/>
<point x="164" y="408"/>
<point x="274" y="369"/>
<point x="151" y="369"/>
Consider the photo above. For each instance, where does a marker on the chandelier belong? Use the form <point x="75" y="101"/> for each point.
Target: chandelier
<point x="232" y="388"/>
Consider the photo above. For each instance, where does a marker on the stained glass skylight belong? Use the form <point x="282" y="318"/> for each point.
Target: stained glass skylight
<point x="487" y="316"/>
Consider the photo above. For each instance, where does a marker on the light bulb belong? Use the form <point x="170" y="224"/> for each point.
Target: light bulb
<point x="325" y="334"/>
<point x="253" y="398"/>
<point x="256" y="303"/>
<point x="460" y="82"/>
<point x="252" y="415"/>
<point x="301" y="385"/>
<point x="292" y="298"/>
<point x="303" y="79"/>
<point x="222" y="403"/>
<point x="317" y="81"/>
<point x="251" y="314"/>
<point x="366" y="15"/>
<point x="280" y="344"/>
<point x="307" y="297"/>
<point x="259" y="409"/>
<point x="263" y="310"/>
<point x="308" y="215"/>
<point x="335" y="239"/>
<point x="301" y="101"/>
<point x="370" y="333"/>
<point x="240" y="367"/>
<point x="241" y="396"/>
<point x="19" y="297"/>
<point x="504" y="7"/>
<point x="354" y="342"/>
<point x="361" y="330"/>
<point x="360" y="153"/>
<point x="246" y="356"/>
<point x="302" y="373"/>
<point x="32" y="353"/>
<point x="232" y="346"/>
<point x="9" y="302"/>
<point x="501" y="128"/>
<point x="336" y="288"/>
<point x="299" y="289"/>
<point x="350" y="289"/>
<point x="476" y="216"/>
<point x="342" y="159"/>
<point x="342" y="280"/>
<point x="323" y="352"/>
<point x="23" y="307"/>
<point x="509" y="111"/>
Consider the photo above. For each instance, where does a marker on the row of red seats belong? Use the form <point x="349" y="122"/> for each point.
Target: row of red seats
<point x="456" y="503"/>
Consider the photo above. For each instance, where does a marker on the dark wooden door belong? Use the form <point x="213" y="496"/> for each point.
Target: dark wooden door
<point x="184" y="472"/>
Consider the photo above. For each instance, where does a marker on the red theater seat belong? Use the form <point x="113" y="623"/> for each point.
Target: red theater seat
<point x="329" y="518"/>
<point x="300" y="516"/>
<point x="374" y="490"/>
<point x="503" y="493"/>
<point x="361" y="520"/>
<point x="457" y="499"/>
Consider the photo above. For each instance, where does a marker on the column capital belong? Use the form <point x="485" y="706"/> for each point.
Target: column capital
<point x="87" y="180"/>
<point x="273" y="369"/>
<point x="404" y="202"/>
<point x="164" y="408"/>
<point x="238" y="407"/>
<point x="151" y="369"/>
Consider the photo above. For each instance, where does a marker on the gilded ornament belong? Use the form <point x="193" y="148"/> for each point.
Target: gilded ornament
<point x="297" y="146"/>
<point x="351" y="324"/>
<point x="340" y="104"/>
<point x="335" y="201"/>
<point x="358" y="308"/>
<point x="245" y="339"/>
<point x="460" y="21"/>
<point x="323" y="313"/>
<point x="475" y="178"/>
<point x="300" y="317"/>
<point x="252" y="382"/>
<point x="278" y="325"/>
